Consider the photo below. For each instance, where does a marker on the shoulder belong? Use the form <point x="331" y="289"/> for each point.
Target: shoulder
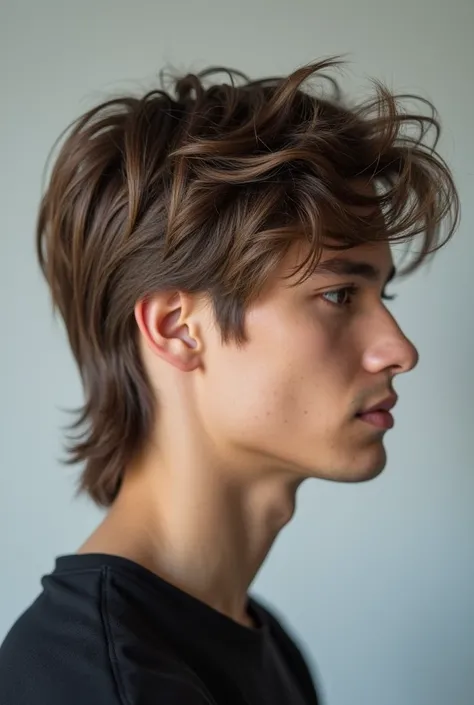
<point x="53" y="650"/>
<point x="60" y="651"/>
<point x="41" y="665"/>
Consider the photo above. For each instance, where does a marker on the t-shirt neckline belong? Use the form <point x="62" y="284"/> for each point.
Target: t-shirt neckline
<point x="153" y="582"/>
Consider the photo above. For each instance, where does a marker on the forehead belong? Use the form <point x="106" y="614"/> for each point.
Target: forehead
<point x="373" y="261"/>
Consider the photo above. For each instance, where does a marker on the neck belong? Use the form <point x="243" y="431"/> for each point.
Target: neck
<point x="199" y="529"/>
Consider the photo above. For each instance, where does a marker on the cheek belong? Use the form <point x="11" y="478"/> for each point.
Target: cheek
<point x="291" y="380"/>
<point x="311" y="381"/>
<point x="248" y="390"/>
<point x="280" y="383"/>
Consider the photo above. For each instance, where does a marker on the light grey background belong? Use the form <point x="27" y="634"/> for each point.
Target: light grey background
<point x="377" y="579"/>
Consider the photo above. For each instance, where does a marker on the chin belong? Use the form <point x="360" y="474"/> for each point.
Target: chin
<point x="369" y="468"/>
<point x="366" y="474"/>
<point x="359" y="466"/>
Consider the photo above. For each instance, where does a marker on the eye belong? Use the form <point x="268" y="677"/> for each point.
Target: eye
<point x="340" y="297"/>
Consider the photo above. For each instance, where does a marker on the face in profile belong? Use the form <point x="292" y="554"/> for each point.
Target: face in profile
<point x="311" y="390"/>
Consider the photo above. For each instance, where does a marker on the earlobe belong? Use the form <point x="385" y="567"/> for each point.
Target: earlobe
<point x="166" y="330"/>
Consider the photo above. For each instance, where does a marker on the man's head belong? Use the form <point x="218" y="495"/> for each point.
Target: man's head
<point x="219" y="254"/>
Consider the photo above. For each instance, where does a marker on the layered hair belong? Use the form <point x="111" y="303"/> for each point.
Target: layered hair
<point x="203" y="186"/>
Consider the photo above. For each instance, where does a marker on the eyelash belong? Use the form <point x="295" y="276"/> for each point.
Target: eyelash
<point x="351" y="291"/>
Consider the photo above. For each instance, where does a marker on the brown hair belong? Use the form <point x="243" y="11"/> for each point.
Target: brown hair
<point x="203" y="187"/>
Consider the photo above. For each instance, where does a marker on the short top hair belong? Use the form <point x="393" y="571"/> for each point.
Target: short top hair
<point x="203" y="186"/>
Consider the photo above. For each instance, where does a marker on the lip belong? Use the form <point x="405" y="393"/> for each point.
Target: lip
<point x="379" y="414"/>
<point x="386" y="404"/>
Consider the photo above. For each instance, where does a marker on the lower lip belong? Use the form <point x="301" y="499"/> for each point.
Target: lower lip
<point x="379" y="419"/>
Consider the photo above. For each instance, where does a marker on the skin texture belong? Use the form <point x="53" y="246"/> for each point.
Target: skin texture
<point x="238" y="428"/>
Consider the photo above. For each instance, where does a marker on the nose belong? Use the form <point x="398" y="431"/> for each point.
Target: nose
<point x="390" y="349"/>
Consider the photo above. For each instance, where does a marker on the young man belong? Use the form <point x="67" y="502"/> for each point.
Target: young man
<point x="220" y="255"/>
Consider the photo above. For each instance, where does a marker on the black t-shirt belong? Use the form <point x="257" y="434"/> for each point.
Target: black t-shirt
<point x="106" y="631"/>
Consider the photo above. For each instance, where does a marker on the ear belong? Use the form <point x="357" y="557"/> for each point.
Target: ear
<point x="166" y="323"/>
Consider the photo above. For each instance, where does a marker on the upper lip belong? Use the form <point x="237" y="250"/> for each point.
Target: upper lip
<point x="384" y="405"/>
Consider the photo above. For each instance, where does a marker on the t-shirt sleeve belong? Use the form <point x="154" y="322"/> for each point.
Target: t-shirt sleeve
<point x="47" y="660"/>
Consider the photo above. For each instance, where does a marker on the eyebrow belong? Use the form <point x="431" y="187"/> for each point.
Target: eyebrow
<point x="354" y="268"/>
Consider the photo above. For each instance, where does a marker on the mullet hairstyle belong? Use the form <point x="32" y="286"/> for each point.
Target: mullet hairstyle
<point x="203" y="186"/>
